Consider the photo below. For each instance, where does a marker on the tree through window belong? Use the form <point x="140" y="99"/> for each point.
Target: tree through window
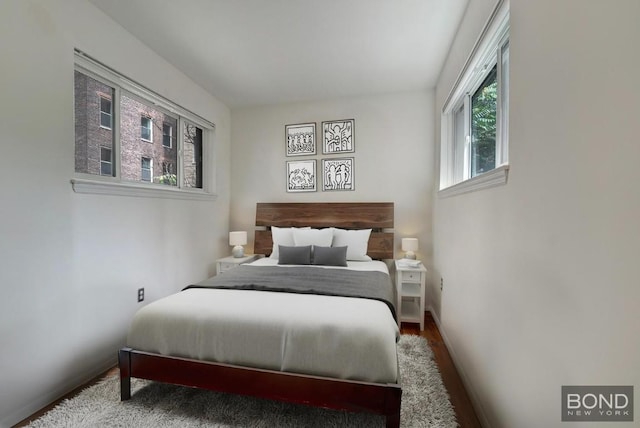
<point x="483" y="125"/>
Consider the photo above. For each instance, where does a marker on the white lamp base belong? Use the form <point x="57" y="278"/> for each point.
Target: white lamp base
<point x="238" y="251"/>
<point x="410" y="255"/>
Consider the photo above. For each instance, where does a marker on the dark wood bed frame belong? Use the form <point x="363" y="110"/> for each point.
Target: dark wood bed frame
<point x="380" y="398"/>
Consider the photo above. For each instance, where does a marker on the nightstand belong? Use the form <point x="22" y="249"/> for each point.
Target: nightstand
<point x="410" y="286"/>
<point x="227" y="263"/>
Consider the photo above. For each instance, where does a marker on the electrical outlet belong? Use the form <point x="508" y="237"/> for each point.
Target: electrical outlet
<point x="441" y="284"/>
<point x="140" y="294"/>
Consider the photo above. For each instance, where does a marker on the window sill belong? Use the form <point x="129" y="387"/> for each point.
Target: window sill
<point x="97" y="187"/>
<point x="493" y="178"/>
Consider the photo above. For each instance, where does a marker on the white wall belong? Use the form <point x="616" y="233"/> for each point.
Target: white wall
<point x="541" y="275"/>
<point x="393" y="158"/>
<point x="70" y="264"/>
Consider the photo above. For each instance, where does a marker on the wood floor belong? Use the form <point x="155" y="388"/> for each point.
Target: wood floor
<point x="457" y="393"/>
<point x="464" y="410"/>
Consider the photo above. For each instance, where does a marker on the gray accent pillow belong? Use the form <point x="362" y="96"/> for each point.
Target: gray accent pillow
<point x="300" y="255"/>
<point x="329" y="256"/>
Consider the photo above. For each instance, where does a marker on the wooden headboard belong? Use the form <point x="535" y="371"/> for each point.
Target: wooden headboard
<point x="345" y="215"/>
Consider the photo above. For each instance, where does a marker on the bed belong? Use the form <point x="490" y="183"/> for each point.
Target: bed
<point x="313" y="358"/>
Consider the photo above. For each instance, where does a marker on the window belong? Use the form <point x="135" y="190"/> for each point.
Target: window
<point x="131" y="146"/>
<point x="146" y="169"/>
<point x="192" y="156"/>
<point x="123" y="153"/>
<point x="484" y="111"/>
<point x="146" y="129"/>
<point x="91" y="134"/>
<point x="106" y="164"/>
<point x="167" y="135"/>
<point x="105" y="112"/>
<point x="474" y="127"/>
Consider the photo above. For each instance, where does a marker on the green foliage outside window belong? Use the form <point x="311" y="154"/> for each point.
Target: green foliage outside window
<point x="168" y="179"/>
<point x="483" y="125"/>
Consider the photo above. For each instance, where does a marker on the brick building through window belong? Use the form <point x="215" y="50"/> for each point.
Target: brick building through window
<point x="143" y="135"/>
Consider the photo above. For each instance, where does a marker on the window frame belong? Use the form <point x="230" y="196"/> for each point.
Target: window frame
<point x="455" y="156"/>
<point x="110" y="161"/>
<point x="473" y="145"/>
<point x="115" y="185"/>
<point x="109" y="113"/>
<point x="170" y="135"/>
<point x="183" y="130"/>
<point x="142" y="169"/>
<point x="150" y="128"/>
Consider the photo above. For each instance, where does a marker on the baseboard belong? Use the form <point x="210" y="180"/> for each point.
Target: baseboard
<point x="20" y="414"/>
<point x="465" y="380"/>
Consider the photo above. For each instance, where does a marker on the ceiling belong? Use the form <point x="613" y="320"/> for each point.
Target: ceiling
<point x="257" y="52"/>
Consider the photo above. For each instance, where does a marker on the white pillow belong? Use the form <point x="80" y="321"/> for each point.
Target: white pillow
<point x="281" y="236"/>
<point x="319" y="237"/>
<point x="356" y="242"/>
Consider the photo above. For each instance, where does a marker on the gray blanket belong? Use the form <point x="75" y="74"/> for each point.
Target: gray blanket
<point x="307" y="280"/>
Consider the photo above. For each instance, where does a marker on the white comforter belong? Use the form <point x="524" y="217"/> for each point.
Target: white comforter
<point x="340" y="337"/>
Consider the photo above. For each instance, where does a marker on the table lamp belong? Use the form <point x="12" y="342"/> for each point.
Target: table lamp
<point x="238" y="239"/>
<point x="409" y="246"/>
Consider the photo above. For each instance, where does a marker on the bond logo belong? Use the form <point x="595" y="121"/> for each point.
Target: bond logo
<point x="597" y="403"/>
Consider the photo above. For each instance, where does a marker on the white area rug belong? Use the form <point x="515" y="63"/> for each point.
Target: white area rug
<point x="425" y="403"/>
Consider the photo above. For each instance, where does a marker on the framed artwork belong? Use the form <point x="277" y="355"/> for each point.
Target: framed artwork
<point x="337" y="174"/>
<point x="301" y="176"/>
<point x="300" y="139"/>
<point x="338" y="136"/>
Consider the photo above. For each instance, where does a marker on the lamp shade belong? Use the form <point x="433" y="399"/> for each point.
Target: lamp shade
<point x="409" y="244"/>
<point x="238" y="238"/>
